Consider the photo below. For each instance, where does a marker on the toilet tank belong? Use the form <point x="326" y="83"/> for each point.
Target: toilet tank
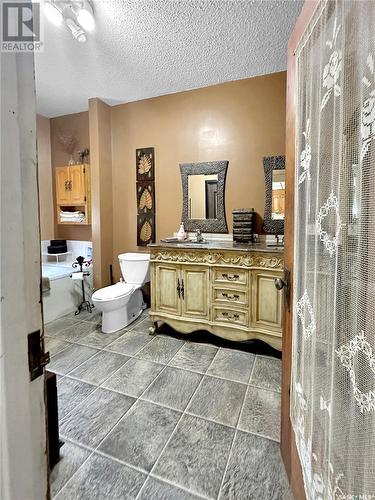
<point x="135" y="267"/>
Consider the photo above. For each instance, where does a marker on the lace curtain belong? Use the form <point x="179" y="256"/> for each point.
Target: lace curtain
<point x="333" y="374"/>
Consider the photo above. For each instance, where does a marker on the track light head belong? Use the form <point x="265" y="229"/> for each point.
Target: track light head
<point x="85" y="16"/>
<point x="53" y="13"/>
<point x="77" y="32"/>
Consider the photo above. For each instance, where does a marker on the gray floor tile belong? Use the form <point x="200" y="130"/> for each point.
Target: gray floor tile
<point x="160" y="349"/>
<point x="94" y="317"/>
<point x="146" y="318"/>
<point x="65" y="361"/>
<point x="196" y="455"/>
<point x="261" y="413"/>
<point x="130" y="343"/>
<point x="255" y="470"/>
<point x="134" y="377"/>
<point x="71" y="393"/>
<point x="54" y="345"/>
<point x="267" y="373"/>
<point x="99" y="367"/>
<point x="76" y="332"/>
<point x="219" y="400"/>
<point x="141" y="326"/>
<point x="54" y="327"/>
<point x="101" y="478"/>
<point x="92" y="420"/>
<point x="99" y="339"/>
<point x="155" y="489"/>
<point x="71" y="458"/>
<point x="196" y="357"/>
<point x="232" y="365"/>
<point x="141" y="435"/>
<point x="173" y="387"/>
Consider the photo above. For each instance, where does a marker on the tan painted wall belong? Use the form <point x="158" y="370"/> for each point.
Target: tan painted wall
<point x="47" y="221"/>
<point x="239" y="121"/>
<point x="78" y="124"/>
<point x="101" y="190"/>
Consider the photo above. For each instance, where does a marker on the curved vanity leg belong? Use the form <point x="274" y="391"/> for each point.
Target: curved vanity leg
<point x="153" y="330"/>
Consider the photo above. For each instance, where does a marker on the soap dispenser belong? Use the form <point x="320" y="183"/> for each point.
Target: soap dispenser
<point x="181" y="235"/>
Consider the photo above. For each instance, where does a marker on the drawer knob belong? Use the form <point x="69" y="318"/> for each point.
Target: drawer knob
<point x="230" y="277"/>
<point x="230" y="296"/>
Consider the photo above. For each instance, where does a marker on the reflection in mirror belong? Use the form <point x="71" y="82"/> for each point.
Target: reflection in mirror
<point x="202" y="193"/>
<point x="278" y="195"/>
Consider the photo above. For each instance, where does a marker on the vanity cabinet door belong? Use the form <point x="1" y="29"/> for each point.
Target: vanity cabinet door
<point x="195" y="291"/>
<point x="267" y="301"/>
<point x="167" y="279"/>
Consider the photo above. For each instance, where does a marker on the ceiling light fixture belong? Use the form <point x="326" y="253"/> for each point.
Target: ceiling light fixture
<point x="53" y="13"/>
<point x="77" y="32"/>
<point x="85" y="16"/>
<point x="77" y="14"/>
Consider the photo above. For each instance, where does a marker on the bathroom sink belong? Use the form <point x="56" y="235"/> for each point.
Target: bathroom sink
<point x="195" y="242"/>
<point x="192" y="244"/>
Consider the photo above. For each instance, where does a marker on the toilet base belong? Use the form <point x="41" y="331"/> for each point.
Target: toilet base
<point x="112" y="321"/>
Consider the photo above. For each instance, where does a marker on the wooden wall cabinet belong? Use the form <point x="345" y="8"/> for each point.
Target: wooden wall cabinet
<point x="73" y="191"/>
<point x="229" y="293"/>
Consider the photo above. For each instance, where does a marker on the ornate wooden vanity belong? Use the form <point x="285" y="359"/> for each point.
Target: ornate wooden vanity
<point x="225" y="289"/>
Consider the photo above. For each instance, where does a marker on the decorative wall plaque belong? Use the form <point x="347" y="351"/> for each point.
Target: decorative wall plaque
<point x="145" y="196"/>
<point x="145" y="164"/>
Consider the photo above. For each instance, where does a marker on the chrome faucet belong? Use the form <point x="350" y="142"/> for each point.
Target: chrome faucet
<point x="198" y="236"/>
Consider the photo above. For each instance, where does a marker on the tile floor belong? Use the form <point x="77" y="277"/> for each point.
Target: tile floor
<point x="163" y="418"/>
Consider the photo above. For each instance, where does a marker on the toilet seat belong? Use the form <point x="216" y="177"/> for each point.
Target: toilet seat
<point x="113" y="292"/>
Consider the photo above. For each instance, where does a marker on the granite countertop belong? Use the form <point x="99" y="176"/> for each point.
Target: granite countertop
<point x="221" y="245"/>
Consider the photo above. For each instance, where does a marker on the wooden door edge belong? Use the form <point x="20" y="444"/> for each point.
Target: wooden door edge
<point x="288" y="446"/>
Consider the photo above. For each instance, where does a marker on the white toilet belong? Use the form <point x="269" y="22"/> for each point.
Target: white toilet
<point x="122" y="303"/>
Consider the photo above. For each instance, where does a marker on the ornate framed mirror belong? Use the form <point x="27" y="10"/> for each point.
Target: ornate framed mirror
<point x="203" y="188"/>
<point x="274" y="210"/>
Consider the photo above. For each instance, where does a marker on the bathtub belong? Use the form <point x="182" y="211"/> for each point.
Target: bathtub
<point x="64" y="294"/>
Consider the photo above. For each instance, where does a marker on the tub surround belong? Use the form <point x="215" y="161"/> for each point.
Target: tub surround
<point x="75" y="248"/>
<point x="224" y="288"/>
<point x="63" y="295"/>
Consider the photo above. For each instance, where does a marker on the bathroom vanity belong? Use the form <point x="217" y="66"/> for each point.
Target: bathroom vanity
<point x="220" y="287"/>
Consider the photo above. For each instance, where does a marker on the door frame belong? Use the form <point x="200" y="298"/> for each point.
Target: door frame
<point x="288" y="445"/>
<point x="23" y="443"/>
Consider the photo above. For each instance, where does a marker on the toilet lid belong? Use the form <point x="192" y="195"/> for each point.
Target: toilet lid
<point x="113" y="291"/>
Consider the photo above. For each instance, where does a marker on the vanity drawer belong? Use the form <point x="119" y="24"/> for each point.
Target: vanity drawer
<point x="226" y="296"/>
<point x="230" y="275"/>
<point x="228" y="315"/>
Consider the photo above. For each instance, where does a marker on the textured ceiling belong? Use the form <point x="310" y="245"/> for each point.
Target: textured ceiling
<point x="147" y="48"/>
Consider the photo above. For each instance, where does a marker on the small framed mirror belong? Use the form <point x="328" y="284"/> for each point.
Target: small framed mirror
<point x="274" y="212"/>
<point x="203" y="187"/>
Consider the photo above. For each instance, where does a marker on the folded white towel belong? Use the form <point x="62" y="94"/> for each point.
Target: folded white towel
<point x="71" y="214"/>
<point x="76" y="216"/>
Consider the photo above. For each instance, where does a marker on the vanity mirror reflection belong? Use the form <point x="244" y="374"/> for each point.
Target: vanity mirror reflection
<point x="278" y="195"/>
<point x="203" y="186"/>
<point x="274" y="212"/>
<point x="202" y="196"/>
